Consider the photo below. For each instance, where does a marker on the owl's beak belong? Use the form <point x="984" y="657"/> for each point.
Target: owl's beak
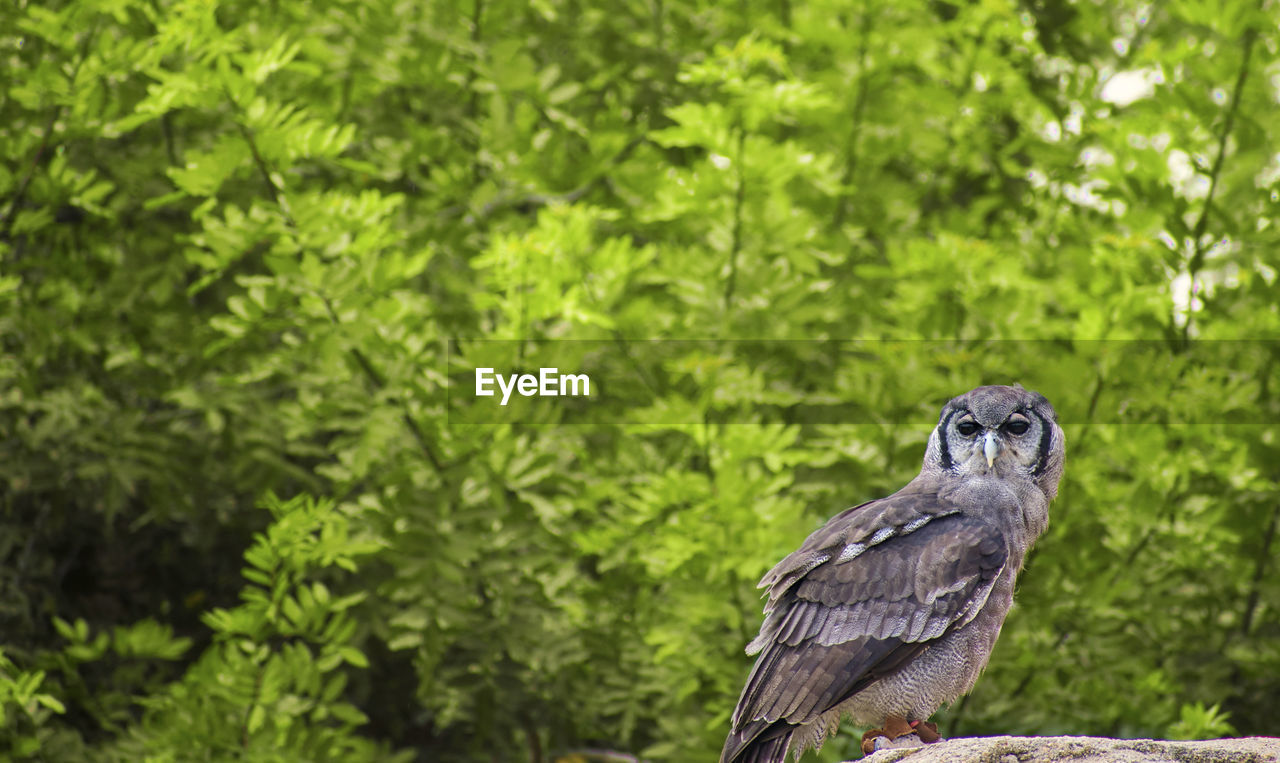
<point x="990" y="448"/>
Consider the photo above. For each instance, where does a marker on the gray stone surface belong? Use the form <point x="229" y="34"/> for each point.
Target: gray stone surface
<point x="1086" y="750"/>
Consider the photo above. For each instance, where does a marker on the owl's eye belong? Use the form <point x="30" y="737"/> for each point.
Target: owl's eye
<point x="967" y="428"/>
<point x="1017" y="426"/>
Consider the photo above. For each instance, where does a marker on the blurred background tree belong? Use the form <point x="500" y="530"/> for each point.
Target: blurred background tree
<point x="244" y="245"/>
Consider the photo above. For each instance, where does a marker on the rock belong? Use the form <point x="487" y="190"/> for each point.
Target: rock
<point x="1086" y="750"/>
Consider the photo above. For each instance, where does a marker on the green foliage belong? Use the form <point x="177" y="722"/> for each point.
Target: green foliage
<point x="24" y="709"/>
<point x="246" y="247"/>
<point x="270" y="686"/>
<point x="1200" y="722"/>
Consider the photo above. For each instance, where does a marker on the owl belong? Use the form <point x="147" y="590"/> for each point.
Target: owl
<point x="892" y="608"/>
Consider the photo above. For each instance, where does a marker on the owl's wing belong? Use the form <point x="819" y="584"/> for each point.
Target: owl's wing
<point x="861" y="597"/>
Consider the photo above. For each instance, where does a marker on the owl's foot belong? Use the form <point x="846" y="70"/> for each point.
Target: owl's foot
<point x="927" y="731"/>
<point x="899" y="733"/>
<point x="885" y="743"/>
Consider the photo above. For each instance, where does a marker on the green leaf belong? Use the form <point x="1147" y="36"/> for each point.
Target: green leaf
<point x="353" y="656"/>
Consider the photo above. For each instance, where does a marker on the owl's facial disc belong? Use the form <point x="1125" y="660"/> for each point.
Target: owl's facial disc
<point x="986" y="443"/>
<point x="1020" y="426"/>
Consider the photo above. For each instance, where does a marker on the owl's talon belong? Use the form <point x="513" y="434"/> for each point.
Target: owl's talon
<point x="870" y="740"/>
<point x="928" y="732"/>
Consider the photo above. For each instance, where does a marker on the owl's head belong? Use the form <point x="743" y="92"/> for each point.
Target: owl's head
<point x="999" y="431"/>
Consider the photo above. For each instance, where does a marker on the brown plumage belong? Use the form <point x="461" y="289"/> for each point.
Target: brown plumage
<point x="892" y="608"/>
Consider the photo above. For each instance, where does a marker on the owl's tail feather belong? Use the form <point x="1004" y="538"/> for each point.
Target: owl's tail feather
<point x="758" y="742"/>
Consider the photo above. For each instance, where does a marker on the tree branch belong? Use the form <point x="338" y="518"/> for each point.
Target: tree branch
<point x="366" y="366"/>
<point x="473" y="99"/>
<point x="6" y="222"/>
<point x="855" y="131"/>
<point x="1215" y="175"/>
<point x="1085" y="427"/>
<point x="740" y="194"/>
<point x="257" y="695"/>
<point x="1259" y="570"/>
<point x="277" y="193"/>
<point x="532" y="201"/>
<point x="18" y="195"/>
<point x="378" y="382"/>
